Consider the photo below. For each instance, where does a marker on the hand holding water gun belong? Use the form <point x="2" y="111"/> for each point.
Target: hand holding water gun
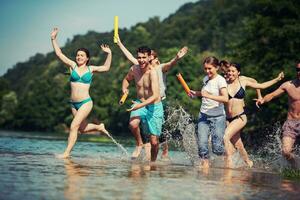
<point x="124" y="97"/>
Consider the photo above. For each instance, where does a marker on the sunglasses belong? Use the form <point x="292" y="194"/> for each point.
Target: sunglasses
<point x="297" y="69"/>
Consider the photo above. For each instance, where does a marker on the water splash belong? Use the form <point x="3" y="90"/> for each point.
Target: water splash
<point x="180" y="130"/>
<point x="269" y="156"/>
<point x="119" y="145"/>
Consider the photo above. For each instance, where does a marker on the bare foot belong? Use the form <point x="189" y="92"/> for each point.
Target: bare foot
<point x="147" y="147"/>
<point x="102" y="129"/>
<point x="62" y="156"/>
<point x="147" y="167"/>
<point x="136" y="152"/>
<point x="204" y="164"/>
<point x="249" y="163"/>
<point x="165" y="156"/>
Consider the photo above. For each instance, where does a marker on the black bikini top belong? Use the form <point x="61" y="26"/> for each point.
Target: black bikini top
<point x="240" y="94"/>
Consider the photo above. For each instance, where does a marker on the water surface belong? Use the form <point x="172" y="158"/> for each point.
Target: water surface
<point x="29" y="170"/>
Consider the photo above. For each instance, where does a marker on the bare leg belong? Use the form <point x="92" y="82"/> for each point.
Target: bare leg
<point x="287" y="147"/>
<point x="134" y="126"/>
<point x="165" y="150"/>
<point x="232" y="129"/>
<point x="79" y="117"/>
<point x="147" y="147"/>
<point x="237" y="141"/>
<point x="90" y="128"/>
<point x="154" y="147"/>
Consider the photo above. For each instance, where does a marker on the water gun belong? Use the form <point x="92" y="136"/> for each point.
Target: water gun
<point x="116" y="27"/>
<point x="123" y="98"/>
<point x="183" y="83"/>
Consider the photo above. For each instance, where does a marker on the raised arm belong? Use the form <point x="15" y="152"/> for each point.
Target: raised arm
<point x="258" y="92"/>
<point x="273" y="95"/>
<point x="107" y="62"/>
<point x="58" y="51"/>
<point x="125" y="51"/>
<point x="167" y="66"/>
<point x="265" y="84"/>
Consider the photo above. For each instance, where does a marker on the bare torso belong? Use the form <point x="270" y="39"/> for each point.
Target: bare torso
<point x="143" y="83"/>
<point x="79" y="91"/>
<point x="292" y="88"/>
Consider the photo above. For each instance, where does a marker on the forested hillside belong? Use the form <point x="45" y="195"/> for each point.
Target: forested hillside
<point x="261" y="35"/>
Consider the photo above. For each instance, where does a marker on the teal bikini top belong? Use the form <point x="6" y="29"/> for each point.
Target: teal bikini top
<point x="85" y="78"/>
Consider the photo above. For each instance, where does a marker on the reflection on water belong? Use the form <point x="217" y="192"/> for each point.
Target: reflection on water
<point x="75" y="180"/>
<point x="29" y="170"/>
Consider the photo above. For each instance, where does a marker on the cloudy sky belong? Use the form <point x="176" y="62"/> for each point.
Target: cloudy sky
<point x="26" y="24"/>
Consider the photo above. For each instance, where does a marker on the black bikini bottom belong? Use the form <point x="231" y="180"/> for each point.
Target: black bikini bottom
<point x="236" y="117"/>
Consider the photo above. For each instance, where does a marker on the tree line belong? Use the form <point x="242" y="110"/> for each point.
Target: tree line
<point x="261" y="35"/>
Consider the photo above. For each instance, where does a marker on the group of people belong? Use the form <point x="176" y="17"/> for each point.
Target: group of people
<point x="222" y="115"/>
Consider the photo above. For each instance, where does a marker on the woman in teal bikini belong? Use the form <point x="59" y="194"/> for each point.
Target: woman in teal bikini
<point x="81" y="78"/>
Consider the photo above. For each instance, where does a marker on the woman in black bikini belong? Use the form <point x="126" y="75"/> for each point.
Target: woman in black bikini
<point x="236" y="117"/>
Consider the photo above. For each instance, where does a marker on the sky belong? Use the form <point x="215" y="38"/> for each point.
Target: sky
<point x="26" y="24"/>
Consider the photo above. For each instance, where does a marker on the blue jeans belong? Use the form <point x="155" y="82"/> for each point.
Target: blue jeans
<point x="214" y="126"/>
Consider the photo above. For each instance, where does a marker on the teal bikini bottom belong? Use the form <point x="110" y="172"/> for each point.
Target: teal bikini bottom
<point x="77" y="105"/>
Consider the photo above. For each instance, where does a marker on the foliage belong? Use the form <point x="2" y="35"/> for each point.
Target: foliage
<point x="263" y="36"/>
<point x="291" y="173"/>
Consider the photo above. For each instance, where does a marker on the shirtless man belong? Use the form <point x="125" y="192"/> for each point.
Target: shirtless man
<point x="291" y="127"/>
<point x="148" y="107"/>
<point x="162" y="69"/>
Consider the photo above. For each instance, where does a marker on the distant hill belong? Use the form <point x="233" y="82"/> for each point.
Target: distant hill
<point x="263" y="36"/>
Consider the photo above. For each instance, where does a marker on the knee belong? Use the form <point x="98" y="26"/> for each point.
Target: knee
<point x="74" y="127"/>
<point x="226" y="138"/>
<point x="239" y="145"/>
<point x="154" y="142"/>
<point x="133" y="125"/>
<point x="81" y="129"/>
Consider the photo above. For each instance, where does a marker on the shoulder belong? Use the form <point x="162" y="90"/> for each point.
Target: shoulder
<point x="286" y="84"/>
<point x="220" y="82"/>
<point x="243" y="78"/>
<point x="91" y="68"/>
<point x="73" y="65"/>
<point x="160" y="67"/>
<point x="221" y="79"/>
<point x="134" y="68"/>
<point x="205" y="79"/>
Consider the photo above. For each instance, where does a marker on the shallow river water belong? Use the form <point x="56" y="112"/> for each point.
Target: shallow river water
<point x="30" y="170"/>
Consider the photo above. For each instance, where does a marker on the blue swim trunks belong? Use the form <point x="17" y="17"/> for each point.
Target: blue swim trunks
<point x="152" y="117"/>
